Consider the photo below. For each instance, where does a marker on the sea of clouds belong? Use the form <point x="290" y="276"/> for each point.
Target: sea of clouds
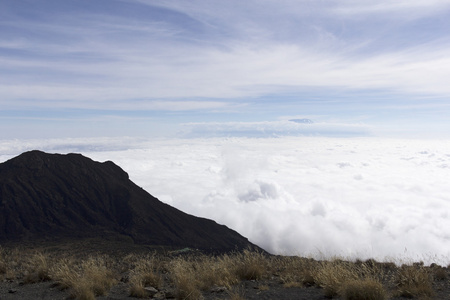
<point x="387" y="199"/>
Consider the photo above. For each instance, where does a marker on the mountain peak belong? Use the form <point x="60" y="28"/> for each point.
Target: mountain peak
<point x="46" y="195"/>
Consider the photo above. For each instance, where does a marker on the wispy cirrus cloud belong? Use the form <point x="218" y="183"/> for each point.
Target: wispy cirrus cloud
<point x="160" y="58"/>
<point x="207" y="56"/>
<point x="405" y="9"/>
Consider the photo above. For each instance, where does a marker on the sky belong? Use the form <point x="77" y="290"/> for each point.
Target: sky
<point x="187" y="68"/>
<point x="195" y="100"/>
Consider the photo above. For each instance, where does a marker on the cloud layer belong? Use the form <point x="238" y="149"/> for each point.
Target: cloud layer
<point x="355" y="197"/>
<point x="272" y="129"/>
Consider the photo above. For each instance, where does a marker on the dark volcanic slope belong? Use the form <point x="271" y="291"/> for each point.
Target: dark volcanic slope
<point x="53" y="195"/>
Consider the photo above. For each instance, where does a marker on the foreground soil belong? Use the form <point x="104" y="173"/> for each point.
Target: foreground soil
<point x="248" y="289"/>
<point x="254" y="289"/>
<point x="271" y="285"/>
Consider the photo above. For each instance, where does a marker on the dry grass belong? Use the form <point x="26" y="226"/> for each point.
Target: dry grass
<point x="187" y="284"/>
<point x="250" y="265"/>
<point x="189" y="276"/>
<point x="37" y="268"/>
<point x="363" y="289"/>
<point x="65" y="272"/>
<point x="86" y="279"/>
<point x="361" y="280"/>
<point x="413" y="281"/>
<point x="331" y="276"/>
<point x="295" y="271"/>
<point x="145" y="273"/>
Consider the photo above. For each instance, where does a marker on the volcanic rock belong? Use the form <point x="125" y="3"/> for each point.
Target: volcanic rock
<point x="53" y="195"/>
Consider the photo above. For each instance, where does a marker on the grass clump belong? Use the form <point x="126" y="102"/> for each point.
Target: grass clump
<point x="295" y="271"/>
<point x="413" y="281"/>
<point x="351" y="281"/>
<point x="187" y="284"/>
<point x="250" y="265"/>
<point x="215" y="271"/>
<point x="86" y="279"/>
<point x="365" y="289"/>
<point x="332" y="275"/>
<point x="146" y="273"/>
<point x="65" y="272"/>
<point x="193" y="275"/>
<point x="37" y="268"/>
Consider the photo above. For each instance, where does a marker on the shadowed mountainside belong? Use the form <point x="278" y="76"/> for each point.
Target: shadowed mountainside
<point x="46" y="196"/>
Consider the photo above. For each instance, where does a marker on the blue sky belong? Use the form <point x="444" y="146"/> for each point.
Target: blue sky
<point x="157" y="68"/>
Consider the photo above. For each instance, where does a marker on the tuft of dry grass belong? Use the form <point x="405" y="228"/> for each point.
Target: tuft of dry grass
<point x="146" y="273"/>
<point x="37" y="268"/>
<point x="184" y="277"/>
<point x="295" y="271"/>
<point x="137" y="289"/>
<point x="86" y="279"/>
<point x="360" y="280"/>
<point x="365" y="289"/>
<point x="413" y="281"/>
<point x="250" y="265"/>
<point x="331" y="276"/>
<point x="193" y="275"/>
<point x="65" y="272"/>
<point x="96" y="272"/>
<point x="215" y="271"/>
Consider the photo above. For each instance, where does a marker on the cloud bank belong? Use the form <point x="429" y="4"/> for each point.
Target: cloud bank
<point x="354" y="197"/>
<point x="272" y="129"/>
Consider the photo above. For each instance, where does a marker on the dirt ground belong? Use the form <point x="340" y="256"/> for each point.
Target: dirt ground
<point x="252" y="289"/>
<point x="267" y="288"/>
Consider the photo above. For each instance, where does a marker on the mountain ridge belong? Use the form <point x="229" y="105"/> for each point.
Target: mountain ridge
<point x="53" y="195"/>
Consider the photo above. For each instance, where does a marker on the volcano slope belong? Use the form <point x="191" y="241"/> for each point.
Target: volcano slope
<point x="50" y="196"/>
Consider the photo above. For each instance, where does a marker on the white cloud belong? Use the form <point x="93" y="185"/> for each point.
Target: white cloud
<point x="239" y="72"/>
<point x="272" y="128"/>
<point x="233" y="53"/>
<point x="356" y="197"/>
<point x="406" y="8"/>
